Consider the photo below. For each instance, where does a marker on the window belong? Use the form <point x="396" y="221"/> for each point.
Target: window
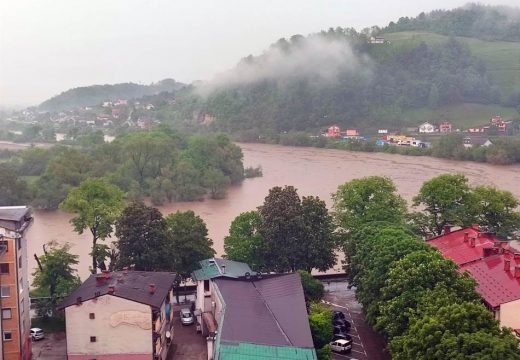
<point x="4" y="243"/>
<point x="92" y="316"/>
<point x="21" y="306"/>
<point x="5" y="291"/>
<point x="20" y="262"/>
<point x="6" y="314"/>
<point x="206" y="285"/>
<point x="8" y="335"/>
<point x="92" y="339"/>
<point x="4" y="268"/>
<point x="19" y="243"/>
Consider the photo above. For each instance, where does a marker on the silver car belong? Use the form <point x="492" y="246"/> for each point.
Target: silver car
<point x="187" y="317"/>
<point x="37" y="334"/>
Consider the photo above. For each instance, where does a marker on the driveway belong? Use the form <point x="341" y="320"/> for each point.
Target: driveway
<point x="367" y="344"/>
<point x="53" y="347"/>
<point x="188" y="343"/>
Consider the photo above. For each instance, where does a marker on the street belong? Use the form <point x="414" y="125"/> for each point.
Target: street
<point x="367" y="344"/>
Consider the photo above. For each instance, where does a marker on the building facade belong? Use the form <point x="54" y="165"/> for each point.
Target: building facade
<point x="15" y="319"/>
<point x="121" y="315"/>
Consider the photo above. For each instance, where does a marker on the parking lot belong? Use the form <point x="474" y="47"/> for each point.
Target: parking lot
<point x="367" y="344"/>
<point x="188" y="344"/>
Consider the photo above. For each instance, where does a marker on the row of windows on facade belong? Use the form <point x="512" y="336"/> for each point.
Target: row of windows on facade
<point x="5" y="244"/>
<point x="4" y="267"/>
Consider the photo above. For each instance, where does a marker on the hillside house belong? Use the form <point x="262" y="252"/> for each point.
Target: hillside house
<point x="426" y="128"/>
<point x="333" y="131"/>
<point x="349" y="133"/>
<point x="469" y="142"/>
<point x="377" y="40"/>
<point x="120" y="315"/>
<point x="445" y="127"/>
<point x="494" y="264"/>
<point x="247" y="315"/>
<point x="500" y="124"/>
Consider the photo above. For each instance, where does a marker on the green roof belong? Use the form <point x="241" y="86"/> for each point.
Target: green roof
<point x="214" y="267"/>
<point x="246" y="351"/>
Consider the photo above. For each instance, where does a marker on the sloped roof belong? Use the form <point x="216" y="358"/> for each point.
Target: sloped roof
<point x="244" y="351"/>
<point x="135" y="286"/>
<point x="495" y="284"/>
<point x="13" y="213"/>
<point x="454" y="247"/>
<point x="215" y="267"/>
<point x="268" y="311"/>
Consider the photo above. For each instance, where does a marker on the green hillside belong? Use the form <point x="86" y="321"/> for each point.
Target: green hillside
<point x="502" y="58"/>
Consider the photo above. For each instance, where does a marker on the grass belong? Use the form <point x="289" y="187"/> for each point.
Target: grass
<point x="460" y="115"/>
<point x="501" y="57"/>
<point x="30" y="179"/>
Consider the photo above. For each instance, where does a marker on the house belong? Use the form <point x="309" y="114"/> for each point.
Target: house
<point x="445" y="127"/>
<point x="382" y="131"/>
<point x="377" y="40"/>
<point x="494" y="265"/>
<point x="426" y="128"/>
<point x="120" y="315"/>
<point x="500" y="124"/>
<point x="333" y="131"/>
<point x="15" y="321"/>
<point x="247" y="315"/>
<point x="351" y="133"/>
<point x="469" y="142"/>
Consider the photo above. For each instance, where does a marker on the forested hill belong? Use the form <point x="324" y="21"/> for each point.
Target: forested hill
<point x="95" y="94"/>
<point x="472" y="20"/>
<point x="337" y="76"/>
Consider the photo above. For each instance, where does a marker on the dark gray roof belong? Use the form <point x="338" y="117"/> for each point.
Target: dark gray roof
<point x="13" y="213"/>
<point x="269" y="311"/>
<point x="135" y="286"/>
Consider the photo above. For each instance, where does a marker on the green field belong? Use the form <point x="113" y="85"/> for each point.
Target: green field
<point x="501" y="57"/>
<point x="460" y="115"/>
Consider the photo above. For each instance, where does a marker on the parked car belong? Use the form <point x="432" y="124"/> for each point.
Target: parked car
<point x="342" y="336"/>
<point x="37" y="334"/>
<point x="341" y="328"/>
<point x="187" y="317"/>
<point x="338" y="315"/>
<point x="342" y="323"/>
<point x="341" y="345"/>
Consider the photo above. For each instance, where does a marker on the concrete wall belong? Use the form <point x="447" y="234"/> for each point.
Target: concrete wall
<point x="121" y="327"/>
<point x="510" y="314"/>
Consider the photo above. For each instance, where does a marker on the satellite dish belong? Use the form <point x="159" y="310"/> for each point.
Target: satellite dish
<point x="259" y="275"/>
<point x="168" y="335"/>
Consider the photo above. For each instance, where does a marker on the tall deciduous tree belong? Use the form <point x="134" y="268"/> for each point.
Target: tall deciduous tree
<point x="281" y="228"/>
<point x="496" y="210"/>
<point x="365" y="200"/>
<point x="446" y="199"/>
<point x="244" y="242"/>
<point x="141" y="236"/>
<point x="55" y="275"/>
<point x="188" y="241"/>
<point x="97" y="205"/>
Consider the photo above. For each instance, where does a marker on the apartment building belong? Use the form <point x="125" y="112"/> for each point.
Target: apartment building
<point x="15" y="320"/>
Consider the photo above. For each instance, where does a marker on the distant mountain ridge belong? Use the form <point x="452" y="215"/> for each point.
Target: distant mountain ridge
<point x="96" y="94"/>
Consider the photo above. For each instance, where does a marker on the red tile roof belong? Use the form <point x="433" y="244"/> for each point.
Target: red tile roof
<point x="495" y="284"/>
<point x="454" y="246"/>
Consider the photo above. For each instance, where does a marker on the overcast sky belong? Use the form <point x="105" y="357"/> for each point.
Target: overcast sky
<point x="49" y="46"/>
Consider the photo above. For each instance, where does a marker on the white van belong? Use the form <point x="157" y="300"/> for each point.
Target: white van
<point x="341" y="346"/>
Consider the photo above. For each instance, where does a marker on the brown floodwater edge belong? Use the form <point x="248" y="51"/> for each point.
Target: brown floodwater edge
<point x="313" y="171"/>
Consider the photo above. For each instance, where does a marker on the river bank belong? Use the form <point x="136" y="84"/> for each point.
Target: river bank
<point x="312" y="171"/>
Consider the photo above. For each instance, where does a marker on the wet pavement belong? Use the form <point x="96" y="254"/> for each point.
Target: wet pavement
<point x="367" y="344"/>
<point x="52" y="347"/>
<point x="188" y="344"/>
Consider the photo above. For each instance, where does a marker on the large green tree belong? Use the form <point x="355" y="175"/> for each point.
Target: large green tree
<point x="496" y="210"/>
<point x="365" y="200"/>
<point x="244" y="242"/>
<point x="188" y="241"/>
<point x="320" y="321"/>
<point x="13" y="189"/>
<point x="97" y="205"/>
<point x="446" y="199"/>
<point x="141" y="238"/>
<point x="55" y="275"/>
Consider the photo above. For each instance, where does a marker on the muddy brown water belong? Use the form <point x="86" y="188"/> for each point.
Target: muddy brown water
<point x="312" y="171"/>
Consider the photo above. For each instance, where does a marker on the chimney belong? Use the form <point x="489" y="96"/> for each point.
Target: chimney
<point x="472" y="242"/>
<point x="78" y="300"/>
<point x="223" y="269"/>
<point x="106" y="274"/>
<point x="517" y="271"/>
<point x="507" y="265"/>
<point x="152" y="289"/>
<point x="466" y="236"/>
<point x="111" y="289"/>
<point x="100" y="280"/>
<point x="447" y="229"/>
<point x="125" y="270"/>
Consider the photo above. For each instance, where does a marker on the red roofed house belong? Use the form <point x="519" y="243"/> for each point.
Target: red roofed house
<point x="492" y="263"/>
<point x="499" y="123"/>
<point x="333" y="131"/>
<point x="445" y="127"/>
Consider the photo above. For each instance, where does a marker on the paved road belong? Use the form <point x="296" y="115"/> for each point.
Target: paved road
<point x="188" y="343"/>
<point x="53" y="347"/>
<point x="367" y="344"/>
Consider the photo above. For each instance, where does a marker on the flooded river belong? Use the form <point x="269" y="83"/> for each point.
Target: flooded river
<point x="312" y="171"/>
